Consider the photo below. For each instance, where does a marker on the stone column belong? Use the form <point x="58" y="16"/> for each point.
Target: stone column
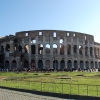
<point x="43" y="45"/>
<point x="51" y="63"/>
<point x="23" y="50"/>
<point x="37" y="45"/>
<point x="65" y="46"/>
<point x="44" y="64"/>
<point x="72" y="50"/>
<point x="59" y="64"/>
<point x="72" y="64"/>
<point x="51" y="46"/>
<point x="11" y="47"/>
<point x="29" y="46"/>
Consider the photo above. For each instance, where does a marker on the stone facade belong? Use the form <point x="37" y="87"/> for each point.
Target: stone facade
<point x="49" y="49"/>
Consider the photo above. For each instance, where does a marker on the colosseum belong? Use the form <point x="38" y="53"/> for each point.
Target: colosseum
<point x="49" y="49"/>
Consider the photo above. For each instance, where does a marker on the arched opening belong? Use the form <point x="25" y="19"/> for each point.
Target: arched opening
<point x="86" y="51"/>
<point x="6" y="64"/>
<point x="33" y="49"/>
<point x="2" y="48"/>
<point x="54" y="49"/>
<point x="26" y="48"/>
<point x="61" y="49"/>
<point x="33" y="64"/>
<point x="26" y="64"/>
<point x="87" y="65"/>
<point x="69" y="64"/>
<point x="96" y="65"/>
<point x="62" y="64"/>
<point x="13" y="64"/>
<point x="15" y="44"/>
<point x="1" y="61"/>
<point x="75" y="49"/>
<point x="91" y="51"/>
<point x="55" y="65"/>
<point x="40" y="49"/>
<point x="47" y="49"/>
<point x="81" y="65"/>
<point x="20" y="48"/>
<point x="47" y="64"/>
<point x="92" y="65"/>
<point x="40" y="65"/>
<point x="7" y="47"/>
<point x="68" y="49"/>
<point x="80" y="50"/>
<point x="75" y="64"/>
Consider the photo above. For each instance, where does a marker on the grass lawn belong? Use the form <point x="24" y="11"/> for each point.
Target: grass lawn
<point x="82" y="83"/>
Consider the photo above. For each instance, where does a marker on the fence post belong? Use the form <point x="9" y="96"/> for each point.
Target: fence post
<point x="78" y="89"/>
<point x="70" y="88"/>
<point x="48" y="86"/>
<point x="41" y="86"/>
<point x="87" y="90"/>
<point x="62" y="87"/>
<point x="97" y="91"/>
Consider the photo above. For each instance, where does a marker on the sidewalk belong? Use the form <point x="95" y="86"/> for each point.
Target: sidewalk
<point x="15" y="95"/>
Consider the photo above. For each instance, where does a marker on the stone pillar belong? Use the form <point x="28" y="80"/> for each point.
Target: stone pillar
<point x="43" y="45"/>
<point x="11" y="47"/>
<point x="72" y="64"/>
<point x="44" y="66"/>
<point x="65" y="64"/>
<point x="51" y="63"/>
<point x="23" y="49"/>
<point x="65" y="46"/>
<point x="72" y="50"/>
<point x="29" y="46"/>
<point x="36" y="45"/>
<point x="59" y="65"/>
<point x="18" y="62"/>
<point x="51" y="45"/>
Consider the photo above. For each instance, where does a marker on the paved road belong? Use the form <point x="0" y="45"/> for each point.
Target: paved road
<point x="16" y="95"/>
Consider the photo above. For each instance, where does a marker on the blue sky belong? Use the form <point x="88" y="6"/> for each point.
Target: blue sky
<point x="71" y="15"/>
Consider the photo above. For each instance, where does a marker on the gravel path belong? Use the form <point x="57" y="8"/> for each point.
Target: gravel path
<point x="16" y="95"/>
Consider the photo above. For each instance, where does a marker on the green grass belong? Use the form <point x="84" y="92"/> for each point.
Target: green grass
<point x="82" y="83"/>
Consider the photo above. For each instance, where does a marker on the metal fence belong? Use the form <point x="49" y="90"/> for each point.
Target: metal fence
<point x="64" y="88"/>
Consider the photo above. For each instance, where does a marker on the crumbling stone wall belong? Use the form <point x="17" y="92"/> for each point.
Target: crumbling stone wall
<point x="49" y="49"/>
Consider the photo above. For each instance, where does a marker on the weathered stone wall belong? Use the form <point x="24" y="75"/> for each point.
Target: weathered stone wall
<point x="51" y="49"/>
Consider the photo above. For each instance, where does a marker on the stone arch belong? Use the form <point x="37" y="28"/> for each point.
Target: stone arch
<point x="91" y="51"/>
<point x="55" y="65"/>
<point x="55" y="49"/>
<point x="86" y="51"/>
<point x="62" y="64"/>
<point x="26" y="64"/>
<point x="75" y="49"/>
<point x="47" y="63"/>
<point x="40" y="64"/>
<point x="33" y="48"/>
<point x="47" y="49"/>
<point x="6" y="64"/>
<point x="26" y="48"/>
<point x="61" y="49"/>
<point x="81" y="65"/>
<point x="81" y="50"/>
<point x="69" y="64"/>
<point x="13" y="64"/>
<point x="20" y="48"/>
<point x="75" y="64"/>
<point x="7" y="47"/>
<point x="2" y="48"/>
<point x="33" y="64"/>
<point x="69" y="49"/>
<point x="40" y="49"/>
<point x="87" y="64"/>
<point x="92" y="65"/>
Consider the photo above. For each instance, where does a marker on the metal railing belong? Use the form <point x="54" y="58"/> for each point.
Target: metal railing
<point x="64" y="88"/>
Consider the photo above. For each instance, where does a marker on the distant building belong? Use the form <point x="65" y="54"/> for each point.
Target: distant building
<point x="51" y="49"/>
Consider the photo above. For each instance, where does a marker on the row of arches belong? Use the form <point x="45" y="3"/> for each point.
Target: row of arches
<point x="75" y="49"/>
<point x="56" y="65"/>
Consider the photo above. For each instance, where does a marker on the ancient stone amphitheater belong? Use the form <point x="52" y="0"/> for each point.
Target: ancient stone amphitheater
<point x="49" y="49"/>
